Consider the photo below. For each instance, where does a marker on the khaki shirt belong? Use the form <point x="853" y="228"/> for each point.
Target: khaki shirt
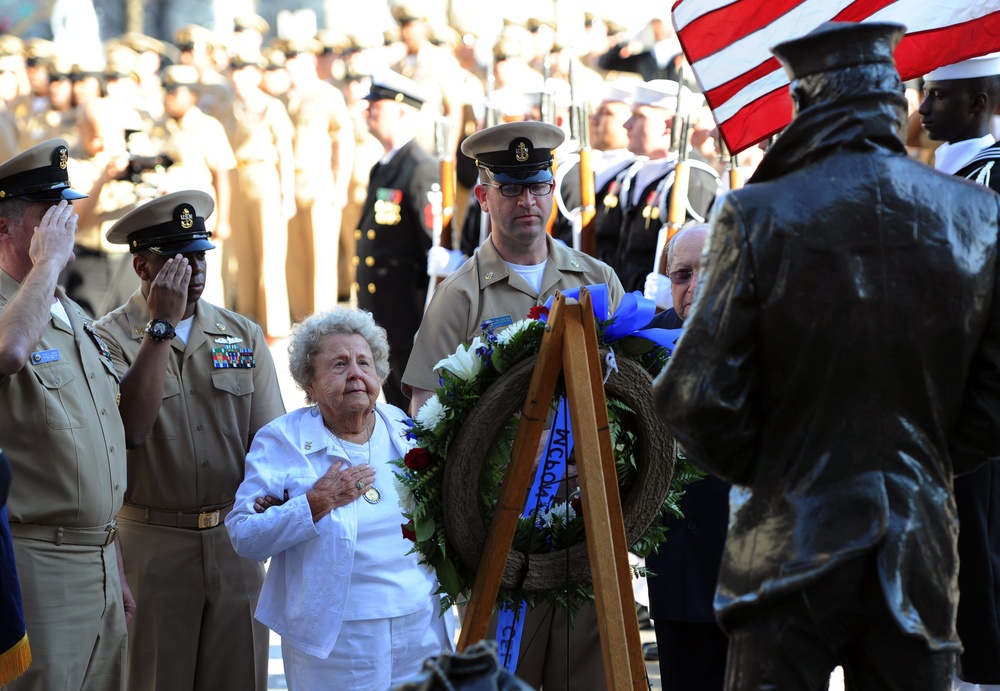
<point x="193" y="457"/>
<point x="60" y="426"/>
<point x="116" y="198"/>
<point x="318" y="113"/>
<point x="256" y="128"/>
<point x="198" y="145"/>
<point x="485" y="288"/>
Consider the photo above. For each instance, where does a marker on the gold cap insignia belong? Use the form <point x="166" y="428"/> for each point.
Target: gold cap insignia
<point x="521" y="152"/>
<point x="187" y="218"/>
<point x="63" y="157"/>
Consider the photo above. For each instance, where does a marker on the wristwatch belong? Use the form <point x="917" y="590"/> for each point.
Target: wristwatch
<point x="160" y="330"/>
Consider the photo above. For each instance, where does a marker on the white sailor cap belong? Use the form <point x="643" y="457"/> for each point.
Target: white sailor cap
<point x="663" y="93"/>
<point x="392" y="86"/>
<point x="983" y="66"/>
<point x="619" y="90"/>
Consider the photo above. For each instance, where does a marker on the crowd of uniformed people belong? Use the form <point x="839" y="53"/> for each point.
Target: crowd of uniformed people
<point x="320" y="169"/>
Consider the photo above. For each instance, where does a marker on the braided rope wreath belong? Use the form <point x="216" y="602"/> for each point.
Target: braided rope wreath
<point x="448" y="483"/>
<point x="464" y="521"/>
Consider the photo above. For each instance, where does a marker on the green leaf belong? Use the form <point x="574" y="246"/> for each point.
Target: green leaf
<point x="448" y="578"/>
<point x="424" y="526"/>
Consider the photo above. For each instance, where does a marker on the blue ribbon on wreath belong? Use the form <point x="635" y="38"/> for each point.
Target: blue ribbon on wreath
<point x="551" y="472"/>
<point x="630" y="319"/>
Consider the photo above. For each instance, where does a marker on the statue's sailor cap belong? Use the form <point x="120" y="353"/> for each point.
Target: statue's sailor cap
<point x="168" y="225"/>
<point x="515" y="152"/>
<point x="838" y="45"/>
<point x="39" y="174"/>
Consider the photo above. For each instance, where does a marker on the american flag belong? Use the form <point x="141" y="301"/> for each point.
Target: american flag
<point x="727" y="42"/>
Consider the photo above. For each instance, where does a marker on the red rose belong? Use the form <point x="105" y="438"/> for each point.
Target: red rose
<point x="408" y="532"/>
<point x="417" y="458"/>
<point x="537" y="312"/>
<point x="577" y="505"/>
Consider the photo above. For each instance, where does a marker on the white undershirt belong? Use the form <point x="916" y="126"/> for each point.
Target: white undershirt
<point x="531" y="273"/>
<point x="951" y="157"/>
<point x="59" y="310"/>
<point x="183" y="329"/>
<point x="384" y="581"/>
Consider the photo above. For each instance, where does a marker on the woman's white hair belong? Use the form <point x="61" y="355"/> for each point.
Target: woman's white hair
<point x="307" y="336"/>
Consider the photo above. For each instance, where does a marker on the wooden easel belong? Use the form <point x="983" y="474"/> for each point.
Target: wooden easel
<point x="569" y="346"/>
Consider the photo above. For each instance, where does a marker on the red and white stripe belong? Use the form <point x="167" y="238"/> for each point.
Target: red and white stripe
<point x="727" y="43"/>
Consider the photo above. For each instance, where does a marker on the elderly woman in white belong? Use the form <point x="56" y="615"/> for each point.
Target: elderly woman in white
<point x="353" y="609"/>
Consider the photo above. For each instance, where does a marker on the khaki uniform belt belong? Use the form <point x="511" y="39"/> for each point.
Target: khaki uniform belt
<point x="61" y="535"/>
<point x="195" y="520"/>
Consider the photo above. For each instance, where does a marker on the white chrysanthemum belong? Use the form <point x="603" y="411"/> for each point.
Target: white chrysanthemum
<point x="505" y="336"/>
<point x="464" y="363"/>
<point x="431" y="413"/>
<point x="561" y="512"/>
<point x="406" y="501"/>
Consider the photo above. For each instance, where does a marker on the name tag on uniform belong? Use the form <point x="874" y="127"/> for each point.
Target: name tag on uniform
<point x="41" y="356"/>
<point x="497" y="322"/>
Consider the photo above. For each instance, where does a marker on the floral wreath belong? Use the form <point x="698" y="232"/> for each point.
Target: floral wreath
<point x="465" y="376"/>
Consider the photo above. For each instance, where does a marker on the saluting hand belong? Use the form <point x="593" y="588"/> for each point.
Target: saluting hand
<point x="55" y="236"/>
<point x="168" y="293"/>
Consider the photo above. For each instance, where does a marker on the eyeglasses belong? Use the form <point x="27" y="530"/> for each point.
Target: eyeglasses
<point x="682" y="277"/>
<point x="537" y="189"/>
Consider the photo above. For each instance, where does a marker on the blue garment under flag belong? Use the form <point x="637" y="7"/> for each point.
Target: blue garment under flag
<point x="15" y="653"/>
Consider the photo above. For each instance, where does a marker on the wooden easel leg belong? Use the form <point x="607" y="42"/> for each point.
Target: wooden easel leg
<point x="516" y="482"/>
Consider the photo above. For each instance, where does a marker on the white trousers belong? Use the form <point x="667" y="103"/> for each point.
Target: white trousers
<point x="371" y="654"/>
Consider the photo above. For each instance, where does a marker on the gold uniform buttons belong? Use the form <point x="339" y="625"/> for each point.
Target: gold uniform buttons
<point x="371" y="234"/>
<point x="371" y="288"/>
<point x="356" y="260"/>
<point x="369" y="261"/>
<point x="357" y="234"/>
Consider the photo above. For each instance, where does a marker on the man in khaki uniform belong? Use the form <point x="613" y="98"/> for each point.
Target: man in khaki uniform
<point x="518" y="267"/>
<point x="197" y="383"/>
<point x="197" y="47"/>
<point x="263" y="197"/>
<point x="63" y="435"/>
<point x="101" y="278"/>
<point x="56" y="119"/>
<point x="324" y="156"/>
<point x="202" y="160"/>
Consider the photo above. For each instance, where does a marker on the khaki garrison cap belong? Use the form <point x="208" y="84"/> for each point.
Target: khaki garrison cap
<point x="168" y="225"/>
<point x="515" y="152"/>
<point x="39" y="174"/>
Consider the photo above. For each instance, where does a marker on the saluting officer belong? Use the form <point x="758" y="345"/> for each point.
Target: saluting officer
<point x="394" y="233"/>
<point x="197" y="383"/>
<point x="63" y="435"/>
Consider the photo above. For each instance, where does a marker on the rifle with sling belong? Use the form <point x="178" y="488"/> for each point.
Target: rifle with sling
<point x="677" y="208"/>
<point x="442" y="198"/>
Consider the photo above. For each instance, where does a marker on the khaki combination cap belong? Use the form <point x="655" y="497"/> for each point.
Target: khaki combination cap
<point x="39" y="174"/>
<point x="176" y="76"/>
<point x="190" y="36"/>
<point x="168" y="225"/>
<point x="250" y="22"/>
<point x="515" y="152"/>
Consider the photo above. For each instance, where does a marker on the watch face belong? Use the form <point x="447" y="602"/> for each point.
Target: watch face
<point x="159" y="329"/>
